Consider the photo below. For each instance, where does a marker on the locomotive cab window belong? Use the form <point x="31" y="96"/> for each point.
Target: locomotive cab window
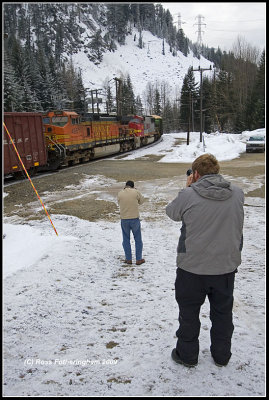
<point x="75" y="121"/>
<point x="46" y="120"/>
<point x="59" y="121"/>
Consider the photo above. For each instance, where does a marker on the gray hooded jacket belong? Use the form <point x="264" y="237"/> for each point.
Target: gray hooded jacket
<point x="212" y="215"/>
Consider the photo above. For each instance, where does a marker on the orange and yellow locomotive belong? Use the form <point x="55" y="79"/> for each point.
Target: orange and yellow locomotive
<point x="71" y="138"/>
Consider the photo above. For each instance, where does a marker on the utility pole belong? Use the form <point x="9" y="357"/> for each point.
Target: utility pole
<point x="119" y="95"/>
<point x="201" y="97"/>
<point x="96" y="99"/>
<point x="189" y="122"/>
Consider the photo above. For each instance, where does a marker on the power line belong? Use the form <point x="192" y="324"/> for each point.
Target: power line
<point x="246" y="20"/>
<point x="229" y="30"/>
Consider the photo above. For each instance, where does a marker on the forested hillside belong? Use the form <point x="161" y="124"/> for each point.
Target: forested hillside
<point x="39" y="73"/>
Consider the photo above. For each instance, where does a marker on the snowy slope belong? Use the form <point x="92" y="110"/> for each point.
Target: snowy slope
<point x="143" y="65"/>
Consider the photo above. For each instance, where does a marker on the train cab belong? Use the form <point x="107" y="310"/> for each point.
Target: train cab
<point x="64" y="128"/>
<point x="137" y="125"/>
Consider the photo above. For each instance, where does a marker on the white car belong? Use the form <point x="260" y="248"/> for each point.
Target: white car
<point x="255" y="143"/>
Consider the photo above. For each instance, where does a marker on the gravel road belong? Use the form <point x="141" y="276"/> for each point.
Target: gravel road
<point x="63" y="193"/>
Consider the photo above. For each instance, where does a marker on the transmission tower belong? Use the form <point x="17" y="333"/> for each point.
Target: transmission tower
<point x="179" y="22"/>
<point x="199" y="23"/>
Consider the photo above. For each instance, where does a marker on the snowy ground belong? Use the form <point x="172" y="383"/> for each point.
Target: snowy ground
<point x="79" y="322"/>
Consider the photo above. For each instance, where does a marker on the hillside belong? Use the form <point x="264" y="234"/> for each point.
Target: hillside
<point x="57" y="54"/>
<point x="45" y="43"/>
<point x="143" y="65"/>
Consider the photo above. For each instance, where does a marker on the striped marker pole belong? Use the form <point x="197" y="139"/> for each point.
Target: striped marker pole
<point x="29" y="177"/>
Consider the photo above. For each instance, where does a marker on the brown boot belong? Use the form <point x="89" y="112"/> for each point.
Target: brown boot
<point x="128" y="261"/>
<point x="139" y="262"/>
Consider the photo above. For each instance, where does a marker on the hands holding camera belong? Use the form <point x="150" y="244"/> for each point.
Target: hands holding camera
<point x="189" y="178"/>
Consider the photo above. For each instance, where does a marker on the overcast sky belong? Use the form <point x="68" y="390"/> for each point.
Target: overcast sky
<point x="224" y="22"/>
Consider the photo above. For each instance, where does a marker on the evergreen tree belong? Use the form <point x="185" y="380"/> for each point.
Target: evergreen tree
<point x="168" y="117"/>
<point x="47" y="84"/>
<point x="149" y="98"/>
<point x="97" y="47"/>
<point x="208" y="121"/>
<point x="182" y="42"/>
<point x="109" y="42"/>
<point x="256" y="102"/>
<point x="59" y="42"/>
<point x="225" y="102"/>
<point x="147" y="17"/>
<point x="138" y="106"/>
<point x="110" y="106"/>
<point x="13" y="95"/>
<point x="157" y="102"/>
<point x="188" y="98"/>
<point x="22" y="69"/>
<point x="117" y="20"/>
<point x="128" y="98"/>
<point x="140" y="41"/>
<point x="80" y="94"/>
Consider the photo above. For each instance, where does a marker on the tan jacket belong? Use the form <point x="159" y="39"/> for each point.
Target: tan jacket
<point x="129" y="199"/>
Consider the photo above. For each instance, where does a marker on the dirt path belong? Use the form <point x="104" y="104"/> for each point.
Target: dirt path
<point x="63" y="193"/>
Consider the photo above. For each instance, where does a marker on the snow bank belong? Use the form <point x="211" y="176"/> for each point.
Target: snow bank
<point x="224" y="146"/>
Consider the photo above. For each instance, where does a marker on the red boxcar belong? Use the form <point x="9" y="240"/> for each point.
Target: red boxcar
<point x="27" y="132"/>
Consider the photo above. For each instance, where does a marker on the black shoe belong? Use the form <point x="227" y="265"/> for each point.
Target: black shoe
<point x="178" y="360"/>
<point x="221" y="365"/>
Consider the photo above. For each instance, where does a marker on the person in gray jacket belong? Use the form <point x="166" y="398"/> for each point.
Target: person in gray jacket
<point x="208" y="254"/>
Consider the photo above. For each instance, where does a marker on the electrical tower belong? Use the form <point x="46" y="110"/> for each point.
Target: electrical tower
<point x="179" y="22"/>
<point x="199" y="23"/>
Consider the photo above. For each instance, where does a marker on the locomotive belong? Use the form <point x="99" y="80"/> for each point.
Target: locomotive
<point x="61" y="138"/>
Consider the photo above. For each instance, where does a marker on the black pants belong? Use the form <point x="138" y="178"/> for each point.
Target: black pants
<point x="191" y="291"/>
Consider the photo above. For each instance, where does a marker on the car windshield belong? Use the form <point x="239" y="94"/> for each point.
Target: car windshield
<point x="259" y="138"/>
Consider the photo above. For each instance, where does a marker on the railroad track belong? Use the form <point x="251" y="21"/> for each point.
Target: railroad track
<point x="9" y="181"/>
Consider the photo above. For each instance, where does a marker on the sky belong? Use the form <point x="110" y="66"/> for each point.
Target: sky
<point x="224" y="22"/>
<point x="80" y="322"/>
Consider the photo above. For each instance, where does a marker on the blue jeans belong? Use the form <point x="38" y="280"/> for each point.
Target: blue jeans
<point x="128" y="225"/>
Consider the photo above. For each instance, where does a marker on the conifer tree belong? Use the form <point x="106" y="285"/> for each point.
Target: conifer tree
<point x="157" y="102"/>
<point x="256" y="103"/>
<point x="225" y="106"/>
<point x="168" y="117"/>
<point x="97" y="47"/>
<point x="138" y="106"/>
<point x="189" y="96"/>
<point x="13" y="95"/>
<point x="207" y="104"/>
<point x="128" y="99"/>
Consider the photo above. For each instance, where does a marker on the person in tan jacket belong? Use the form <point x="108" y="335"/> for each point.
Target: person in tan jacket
<point x="129" y="200"/>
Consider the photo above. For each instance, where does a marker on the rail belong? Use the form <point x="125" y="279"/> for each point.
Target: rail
<point x="59" y="147"/>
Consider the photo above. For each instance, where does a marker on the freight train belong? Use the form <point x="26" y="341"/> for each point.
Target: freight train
<point x="60" y="138"/>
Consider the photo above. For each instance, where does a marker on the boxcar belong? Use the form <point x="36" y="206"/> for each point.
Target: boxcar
<point x="27" y="132"/>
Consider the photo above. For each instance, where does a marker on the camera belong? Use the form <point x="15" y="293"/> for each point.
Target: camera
<point x="189" y="172"/>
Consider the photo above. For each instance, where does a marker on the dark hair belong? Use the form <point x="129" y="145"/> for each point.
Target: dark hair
<point x="206" y="164"/>
<point x="130" y="183"/>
